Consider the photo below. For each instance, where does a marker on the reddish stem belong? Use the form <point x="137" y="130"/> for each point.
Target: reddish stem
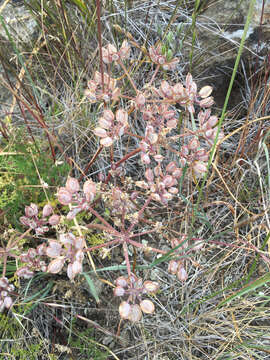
<point x="91" y="162"/>
<point x="140" y="213"/>
<point x="132" y="153"/>
<point x="109" y="227"/>
<point x="101" y="245"/>
<point x="139" y="245"/>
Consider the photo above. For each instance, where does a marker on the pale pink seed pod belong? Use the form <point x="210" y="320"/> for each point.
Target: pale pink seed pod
<point x="172" y="123"/>
<point x="79" y="256"/>
<point x="145" y="158"/>
<point x="3" y="282"/>
<point x="171" y="166"/>
<point x="173" y="190"/>
<point x="171" y="65"/>
<point x="158" y="158"/>
<point x="91" y="96"/>
<point x="108" y="115"/>
<point x="31" y="210"/>
<point x="178" y="89"/>
<point x="207" y="102"/>
<point x="107" y="141"/>
<point x="115" y="57"/>
<point x="79" y="244"/>
<point x="205" y="91"/>
<point x="64" y="196"/>
<point x="212" y="121"/>
<point x="72" y="213"/>
<point x="158" y="171"/>
<point x="168" y="180"/>
<point x="66" y="239"/>
<point x="124" y="50"/>
<point x="119" y="291"/>
<point x="47" y="210"/>
<point x="73" y="269"/>
<point x="115" y="94"/>
<point x="56" y="265"/>
<point x="122" y="116"/>
<point x="72" y="185"/>
<point x="25" y="273"/>
<point x="134" y="195"/>
<point x="104" y="123"/>
<point x="54" y="249"/>
<point x="155" y="197"/>
<point x="121" y="281"/>
<point x="54" y="219"/>
<point x="209" y="133"/>
<point x="140" y="100"/>
<point x="177" y="173"/>
<point x="105" y="56"/>
<point x="172" y="267"/>
<point x="202" y="155"/>
<point x="169" y="114"/>
<point x="41" y="249"/>
<point x="200" y="168"/>
<point x="151" y="287"/>
<point x="147" y="306"/>
<point x="181" y="273"/>
<point x="124" y="310"/>
<point x="149" y="175"/>
<point x="8" y="302"/>
<point x="25" y="220"/>
<point x="89" y="188"/>
<point x="142" y="184"/>
<point x="152" y="138"/>
<point x="166" y="196"/>
<point x="100" y="132"/>
<point x="135" y="313"/>
<point x="111" y="48"/>
<point x="166" y="88"/>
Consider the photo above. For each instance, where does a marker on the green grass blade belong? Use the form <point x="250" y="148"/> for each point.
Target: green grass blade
<point x="247" y="289"/>
<point x="92" y="287"/>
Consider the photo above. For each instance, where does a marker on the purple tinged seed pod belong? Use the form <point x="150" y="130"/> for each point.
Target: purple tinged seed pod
<point x="54" y="219"/>
<point x="135" y="313"/>
<point x="47" y="210"/>
<point x="124" y="310"/>
<point x="147" y="306"/>
<point x="119" y="291"/>
<point x="64" y="196"/>
<point x="72" y="185"/>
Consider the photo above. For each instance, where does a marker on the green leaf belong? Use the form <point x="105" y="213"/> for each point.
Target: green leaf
<point x="92" y="287"/>
<point x="248" y="288"/>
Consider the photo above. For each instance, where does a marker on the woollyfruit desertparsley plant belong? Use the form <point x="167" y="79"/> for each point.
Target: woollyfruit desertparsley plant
<point x="166" y="157"/>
